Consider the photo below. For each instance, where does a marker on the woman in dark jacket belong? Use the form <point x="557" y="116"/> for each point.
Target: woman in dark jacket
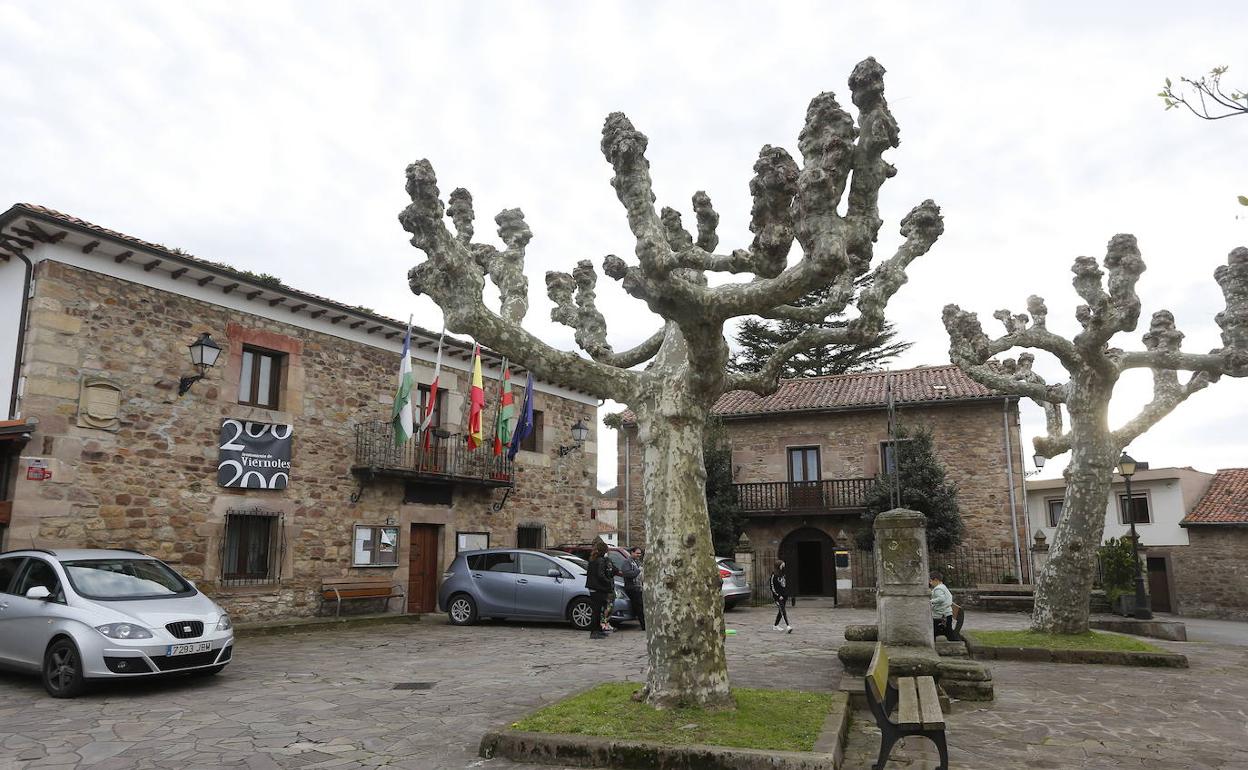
<point x="601" y="585"/>
<point x="779" y="595"/>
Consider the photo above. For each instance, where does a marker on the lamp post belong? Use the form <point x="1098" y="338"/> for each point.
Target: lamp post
<point x="1126" y="469"/>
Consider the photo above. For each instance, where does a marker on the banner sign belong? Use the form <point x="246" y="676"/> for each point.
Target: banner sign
<point x="254" y="455"/>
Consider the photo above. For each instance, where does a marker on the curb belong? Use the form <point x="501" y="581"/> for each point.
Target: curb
<point x="593" y="751"/>
<point x="320" y="624"/>
<point x="1101" y="657"/>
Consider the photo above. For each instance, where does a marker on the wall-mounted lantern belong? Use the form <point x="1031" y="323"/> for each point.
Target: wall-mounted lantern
<point x="204" y="354"/>
<point x="579" y="434"/>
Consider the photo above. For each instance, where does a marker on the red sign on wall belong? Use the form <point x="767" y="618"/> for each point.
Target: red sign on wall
<point x="34" y="473"/>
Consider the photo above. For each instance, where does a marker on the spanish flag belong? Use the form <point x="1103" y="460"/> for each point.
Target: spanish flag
<point x="476" y="401"/>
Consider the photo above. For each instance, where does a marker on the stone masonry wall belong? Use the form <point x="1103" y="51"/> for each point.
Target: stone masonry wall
<point x="969" y="439"/>
<point x="1211" y="573"/>
<point x="151" y="484"/>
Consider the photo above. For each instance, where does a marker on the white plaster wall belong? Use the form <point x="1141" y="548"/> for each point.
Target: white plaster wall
<point x="12" y="278"/>
<point x="1165" y="507"/>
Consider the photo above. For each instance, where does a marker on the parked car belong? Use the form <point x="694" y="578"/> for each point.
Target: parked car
<point x="618" y="556"/>
<point x="77" y="615"/>
<point x="735" y="587"/>
<point x="521" y="583"/>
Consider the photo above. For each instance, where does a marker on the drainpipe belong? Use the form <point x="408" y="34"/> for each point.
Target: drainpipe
<point x="21" y="334"/>
<point x="1009" y="476"/>
<point x="628" y="523"/>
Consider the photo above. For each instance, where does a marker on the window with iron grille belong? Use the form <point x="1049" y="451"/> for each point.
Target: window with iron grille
<point x="251" y="548"/>
<point x="529" y="536"/>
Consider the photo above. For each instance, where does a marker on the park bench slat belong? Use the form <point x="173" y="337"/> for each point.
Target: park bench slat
<point x="908" y="703"/>
<point x="929" y="703"/>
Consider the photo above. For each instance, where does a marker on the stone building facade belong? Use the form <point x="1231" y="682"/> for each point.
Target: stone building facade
<point x="1211" y="573"/>
<point x="803" y="456"/>
<point x="113" y="456"/>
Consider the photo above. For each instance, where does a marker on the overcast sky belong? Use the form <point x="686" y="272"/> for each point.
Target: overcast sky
<point x="274" y="136"/>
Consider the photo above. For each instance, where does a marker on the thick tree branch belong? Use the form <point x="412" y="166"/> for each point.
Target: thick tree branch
<point x="766" y="379"/>
<point x="576" y="307"/>
<point x="1107" y="313"/>
<point x="454" y="279"/>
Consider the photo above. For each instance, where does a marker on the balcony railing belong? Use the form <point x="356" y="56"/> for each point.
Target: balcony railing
<point x="445" y="459"/>
<point x="803" y="496"/>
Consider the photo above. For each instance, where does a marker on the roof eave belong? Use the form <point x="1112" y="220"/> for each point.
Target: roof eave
<point x="873" y="407"/>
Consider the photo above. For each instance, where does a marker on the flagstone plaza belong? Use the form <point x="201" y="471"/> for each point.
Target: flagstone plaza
<point x="329" y="699"/>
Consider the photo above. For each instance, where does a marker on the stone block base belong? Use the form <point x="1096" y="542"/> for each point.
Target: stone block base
<point x="1171" y="630"/>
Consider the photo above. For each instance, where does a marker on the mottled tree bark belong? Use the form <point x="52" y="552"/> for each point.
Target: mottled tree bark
<point x="686" y="358"/>
<point x="1064" y="583"/>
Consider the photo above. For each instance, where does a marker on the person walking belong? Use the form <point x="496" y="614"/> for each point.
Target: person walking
<point x="780" y="595"/>
<point x="632" y="587"/>
<point x="942" y="607"/>
<point x="599" y="581"/>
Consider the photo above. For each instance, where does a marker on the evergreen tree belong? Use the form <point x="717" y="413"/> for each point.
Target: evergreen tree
<point x="923" y="489"/>
<point x="727" y="519"/>
<point x="759" y="338"/>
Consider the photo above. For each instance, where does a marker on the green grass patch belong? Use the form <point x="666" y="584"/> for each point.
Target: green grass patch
<point x="774" y="720"/>
<point x="1092" y="640"/>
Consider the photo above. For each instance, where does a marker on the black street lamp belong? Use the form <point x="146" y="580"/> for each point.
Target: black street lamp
<point x="204" y="353"/>
<point x="579" y="434"/>
<point x="1126" y="469"/>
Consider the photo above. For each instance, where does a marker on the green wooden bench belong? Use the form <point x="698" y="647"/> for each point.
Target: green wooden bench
<point x="916" y="701"/>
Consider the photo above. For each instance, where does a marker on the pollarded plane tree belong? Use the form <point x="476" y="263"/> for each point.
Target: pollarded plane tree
<point x="1065" y="581"/>
<point x="828" y="205"/>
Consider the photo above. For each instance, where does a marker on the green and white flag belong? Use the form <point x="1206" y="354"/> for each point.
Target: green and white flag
<point x="401" y="417"/>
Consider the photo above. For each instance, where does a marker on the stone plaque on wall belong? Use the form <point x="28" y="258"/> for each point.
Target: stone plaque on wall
<point x="99" y="404"/>
<point x="254" y="455"/>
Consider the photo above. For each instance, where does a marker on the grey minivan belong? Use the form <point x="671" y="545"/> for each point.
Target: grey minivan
<point x="520" y="583"/>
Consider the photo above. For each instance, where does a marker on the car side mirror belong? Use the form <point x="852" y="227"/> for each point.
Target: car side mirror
<point x="555" y="573"/>
<point x="39" y="593"/>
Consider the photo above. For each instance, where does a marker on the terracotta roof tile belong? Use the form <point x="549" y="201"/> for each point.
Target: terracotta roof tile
<point x="1226" y="501"/>
<point x="924" y="384"/>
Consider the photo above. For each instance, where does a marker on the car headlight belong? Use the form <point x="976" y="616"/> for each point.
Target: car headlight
<point x="124" y="631"/>
<point x="224" y="624"/>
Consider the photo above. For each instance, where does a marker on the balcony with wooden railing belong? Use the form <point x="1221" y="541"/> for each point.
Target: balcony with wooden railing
<point x="446" y="459"/>
<point x="804" y="497"/>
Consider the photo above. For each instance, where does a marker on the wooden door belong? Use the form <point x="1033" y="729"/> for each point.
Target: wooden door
<point x="1158" y="585"/>
<point x="422" y="569"/>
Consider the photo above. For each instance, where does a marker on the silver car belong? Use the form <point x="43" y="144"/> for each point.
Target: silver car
<point x="520" y="583"/>
<point x="75" y="615"/>
<point x="735" y="587"/>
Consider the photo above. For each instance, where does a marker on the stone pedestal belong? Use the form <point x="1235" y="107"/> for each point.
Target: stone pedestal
<point x="744" y="557"/>
<point x="904" y="604"/>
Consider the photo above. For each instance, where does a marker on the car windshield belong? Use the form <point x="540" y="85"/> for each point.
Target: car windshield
<point x="730" y="564"/>
<point x="125" y="579"/>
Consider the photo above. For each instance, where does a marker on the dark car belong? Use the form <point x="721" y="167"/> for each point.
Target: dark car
<point x="521" y="583"/>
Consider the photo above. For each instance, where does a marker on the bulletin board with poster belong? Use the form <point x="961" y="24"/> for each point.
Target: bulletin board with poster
<point x="375" y="546"/>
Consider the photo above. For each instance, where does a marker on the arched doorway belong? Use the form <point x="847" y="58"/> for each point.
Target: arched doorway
<point x="809" y="556"/>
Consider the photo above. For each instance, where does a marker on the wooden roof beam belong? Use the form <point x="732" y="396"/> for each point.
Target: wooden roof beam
<point x="207" y="279"/>
<point x="253" y="294"/>
<point x="297" y="308"/>
<point x="375" y="329"/>
<point x="21" y="242"/>
<point x="123" y="256"/>
<point x="320" y="311"/>
<point x="337" y="318"/>
<point x="90" y="247"/>
<point x="357" y="324"/>
<point x="229" y="287"/>
<point x="276" y="302"/>
<point x="150" y="266"/>
<point x="176" y="274"/>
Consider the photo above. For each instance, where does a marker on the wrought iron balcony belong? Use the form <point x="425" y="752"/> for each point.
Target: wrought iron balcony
<point x="447" y="460"/>
<point x="781" y="497"/>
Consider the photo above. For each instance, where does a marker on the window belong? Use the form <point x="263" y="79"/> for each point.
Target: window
<point x="503" y="561"/>
<point x="260" y="378"/>
<point x="529" y="536"/>
<point x="1138" y="506"/>
<point x="471" y="541"/>
<point x="39" y="573"/>
<point x="251" y="548"/>
<point x="532" y="442"/>
<point x="887" y="462"/>
<point x="428" y="493"/>
<point x="538" y="566"/>
<point x="376" y="546"/>
<point x="8" y="571"/>
<point x="1055" y="512"/>
<point x="804" y="463"/>
<point x="439" y="406"/>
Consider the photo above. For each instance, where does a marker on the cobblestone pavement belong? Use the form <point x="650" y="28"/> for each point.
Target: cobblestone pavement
<point x="326" y="699"/>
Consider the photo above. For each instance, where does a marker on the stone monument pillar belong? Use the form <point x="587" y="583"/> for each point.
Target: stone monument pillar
<point x="744" y="557"/>
<point x="903" y="599"/>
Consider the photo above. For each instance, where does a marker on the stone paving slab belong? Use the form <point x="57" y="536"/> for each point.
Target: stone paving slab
<point x="325" y="699"/>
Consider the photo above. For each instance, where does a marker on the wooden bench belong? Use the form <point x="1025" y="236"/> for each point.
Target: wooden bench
<point x="337" y="589"/>
<point x="917" y="704"/>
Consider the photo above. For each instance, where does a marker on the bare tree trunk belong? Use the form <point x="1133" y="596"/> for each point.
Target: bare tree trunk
<point x="684" y="610"/>
<point x="1064" y="585"/>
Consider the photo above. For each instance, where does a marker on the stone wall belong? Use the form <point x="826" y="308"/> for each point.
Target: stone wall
<point x="969" y="440"/>
<point x="151" y="483"/>
<point x="1211" y="573"/>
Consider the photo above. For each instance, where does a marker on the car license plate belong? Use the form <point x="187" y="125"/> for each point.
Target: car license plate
<point x="187" y="649"/>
